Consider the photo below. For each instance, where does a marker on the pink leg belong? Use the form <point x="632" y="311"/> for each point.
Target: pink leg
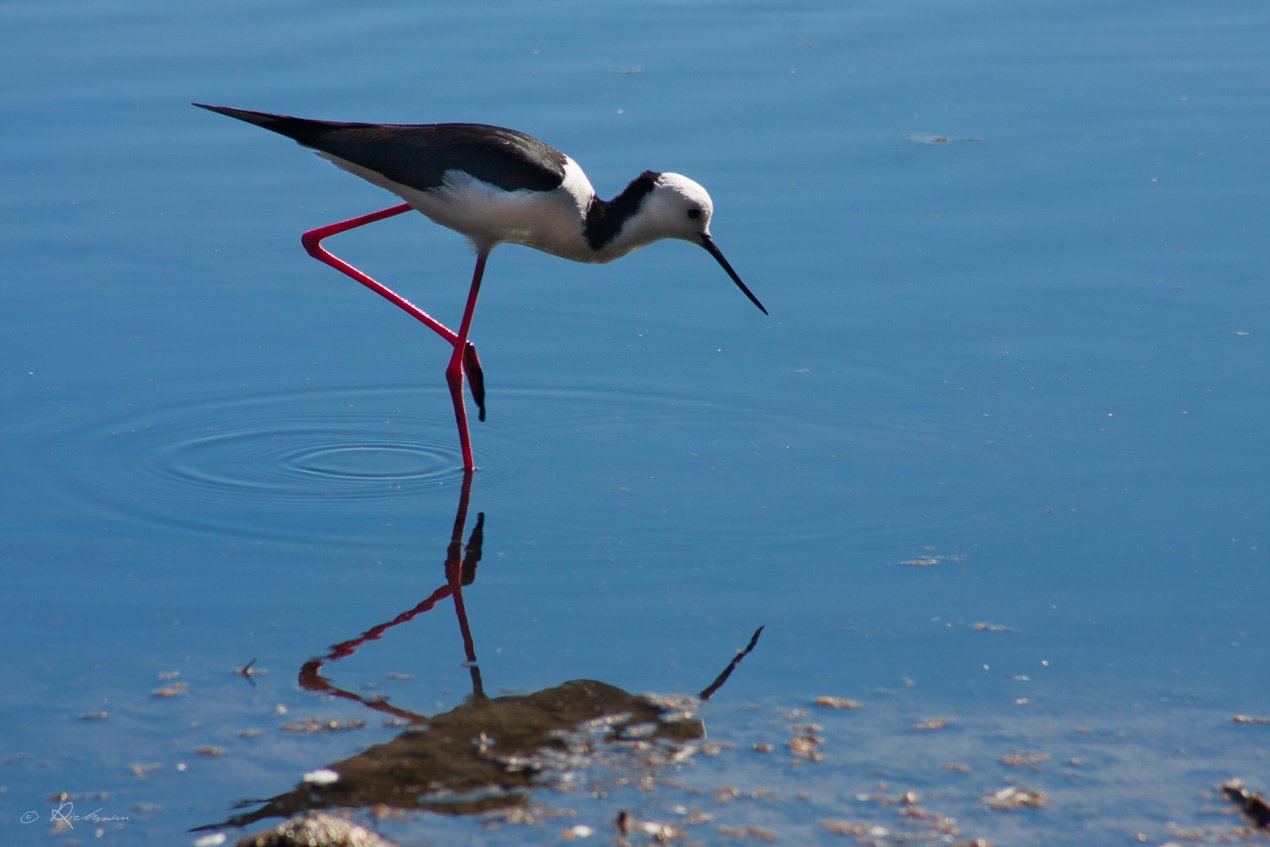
<point x="454" y="372"/>
<point x="467" y="358"/>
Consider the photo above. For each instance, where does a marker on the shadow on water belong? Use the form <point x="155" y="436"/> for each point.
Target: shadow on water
<point x="488" y="753"/>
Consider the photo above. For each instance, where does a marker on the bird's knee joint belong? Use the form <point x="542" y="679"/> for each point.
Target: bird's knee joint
<point x="312" y="242"/>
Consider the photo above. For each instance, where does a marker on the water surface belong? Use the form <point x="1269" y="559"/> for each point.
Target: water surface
<point x="998" y="456"/>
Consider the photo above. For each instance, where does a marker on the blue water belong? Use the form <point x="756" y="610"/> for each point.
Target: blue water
<point x="1015" y="259"/>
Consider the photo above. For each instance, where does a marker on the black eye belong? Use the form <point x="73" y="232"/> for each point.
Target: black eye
<point x="694" y="213"/>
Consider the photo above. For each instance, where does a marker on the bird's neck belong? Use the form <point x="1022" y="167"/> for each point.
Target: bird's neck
<point x="609" y="225"/>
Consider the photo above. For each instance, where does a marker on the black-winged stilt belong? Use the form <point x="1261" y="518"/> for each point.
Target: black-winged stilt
<point x="494" y="186"/>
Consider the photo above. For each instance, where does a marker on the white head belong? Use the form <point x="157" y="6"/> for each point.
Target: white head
<point x="678" y="207"/>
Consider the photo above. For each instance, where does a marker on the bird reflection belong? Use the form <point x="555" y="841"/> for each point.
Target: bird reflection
<point x="487" y="753"/>
<point x="460" y="570"/>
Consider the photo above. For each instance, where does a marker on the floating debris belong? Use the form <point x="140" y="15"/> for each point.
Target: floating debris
<point x="322" y="776"/>
<point x="709" y="748"/>
<point x="740" y="832"/>
<point x="804" y="747"/>
<point x="840" y="827"/>
<point x="1248" y="802"/>
<point x="936" y="822"/>
<point x="659" y="832"/>
<point x="1016" y="798"/>
<point x="836" y="703"/>
<point x="176" y="689"/>
<point x="931" y="138"/>
<point x="314" y="828"/>
<point x="930" y="560"/>
<point x="692" y="817"/>
<point x="933" y="724"/>
<point x="311" y="725"/>
<point x="1025" y="760"/>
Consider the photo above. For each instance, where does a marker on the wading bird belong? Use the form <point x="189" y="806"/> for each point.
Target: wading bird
<point x="494" y="186"/>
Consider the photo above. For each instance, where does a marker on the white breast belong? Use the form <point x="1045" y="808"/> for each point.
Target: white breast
<point x="550" y="221"/>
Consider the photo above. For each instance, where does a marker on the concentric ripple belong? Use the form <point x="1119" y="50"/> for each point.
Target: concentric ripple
<point x="265" y="464"/>
<point x="337" y="463"/>
<point x="305" y="462"/>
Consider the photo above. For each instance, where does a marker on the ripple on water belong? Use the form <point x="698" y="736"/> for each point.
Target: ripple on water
<point x="289" y="466"/>
<point x="304" y="462"/>
<point x="261" y="464"/>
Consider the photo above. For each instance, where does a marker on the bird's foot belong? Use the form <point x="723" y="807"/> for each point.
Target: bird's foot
<point x="475" y="378"/>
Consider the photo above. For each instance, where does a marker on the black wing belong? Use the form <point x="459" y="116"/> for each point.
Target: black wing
<point x="418" y="155"/>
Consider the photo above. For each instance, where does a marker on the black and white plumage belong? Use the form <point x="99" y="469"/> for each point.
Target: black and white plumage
<point x="496" y="186"/>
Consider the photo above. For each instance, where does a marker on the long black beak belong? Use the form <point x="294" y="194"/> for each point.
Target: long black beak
<point x="713" y="249"/>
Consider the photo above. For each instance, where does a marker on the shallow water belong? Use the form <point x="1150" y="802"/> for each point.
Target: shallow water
<point x="999" y="454"/>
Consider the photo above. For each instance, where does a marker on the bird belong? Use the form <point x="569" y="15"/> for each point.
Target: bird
<point x="494" y="186"/>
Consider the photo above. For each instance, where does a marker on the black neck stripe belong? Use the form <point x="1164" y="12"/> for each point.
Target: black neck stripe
<point x="604" y="218"/>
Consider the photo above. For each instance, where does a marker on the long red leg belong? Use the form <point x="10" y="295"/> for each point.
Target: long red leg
<point x="454" y="372"/>
<point x="465" y="350"/>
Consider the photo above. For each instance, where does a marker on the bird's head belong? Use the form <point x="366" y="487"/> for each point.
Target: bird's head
<point x="680" y="208"/>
